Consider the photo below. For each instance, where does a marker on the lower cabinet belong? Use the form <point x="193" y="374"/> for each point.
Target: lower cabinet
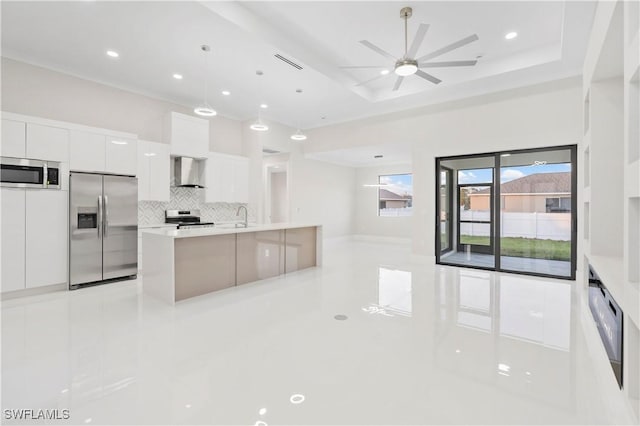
<point x="13" y="238"/>
<point x="300" y="248"/>
<point x="46" y="237"/>
<point x="202" y="264"/>
<point x="34" y="238"/>
<point x="260" y="255"/>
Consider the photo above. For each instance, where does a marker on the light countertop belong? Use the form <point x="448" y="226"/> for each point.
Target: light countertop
<point x="224" y="230"/>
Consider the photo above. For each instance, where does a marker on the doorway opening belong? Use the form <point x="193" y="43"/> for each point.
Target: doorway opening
<point x="276" y="193"/>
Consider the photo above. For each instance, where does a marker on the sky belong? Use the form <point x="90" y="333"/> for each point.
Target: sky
<point x="509" y="173"/>
<point x="399" y="184"/>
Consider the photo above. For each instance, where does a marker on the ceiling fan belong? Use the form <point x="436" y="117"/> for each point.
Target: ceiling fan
<point x="408" y="64"/>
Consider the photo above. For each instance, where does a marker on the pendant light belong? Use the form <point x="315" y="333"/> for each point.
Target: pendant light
<point x="258" y="125"/>
<point x="205" y="109"/>
<point x="298" y="135"/>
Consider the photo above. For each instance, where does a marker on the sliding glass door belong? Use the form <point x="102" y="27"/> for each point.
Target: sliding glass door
<point x="509" y="211"/>
<point x="536" y="209"/>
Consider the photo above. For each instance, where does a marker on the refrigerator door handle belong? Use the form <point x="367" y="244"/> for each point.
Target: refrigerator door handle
<point x="105" y="216"/>
<point x="99" y="215"/>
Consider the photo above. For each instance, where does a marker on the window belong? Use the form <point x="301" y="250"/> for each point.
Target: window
<point x="395" y="195"/>
<point x="558" y="205"/>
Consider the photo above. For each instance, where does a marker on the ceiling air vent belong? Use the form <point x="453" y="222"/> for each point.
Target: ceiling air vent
<point x="288" y="61"/>
<point x="269" y="151"/>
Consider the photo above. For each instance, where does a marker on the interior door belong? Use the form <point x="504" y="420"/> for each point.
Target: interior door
<point x="120" y="226"/>
<point x="85" y="230"/>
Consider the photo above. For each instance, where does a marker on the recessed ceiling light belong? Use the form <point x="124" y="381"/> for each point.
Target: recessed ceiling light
<point x="505" y="155"/>
<point x="262" y="411"/>
<point x="384" y="72"/>
<point x="264" y="106"/>
<point x="177" y="76"/>
<point x="112" y="53"/>
<point x="226" y="92"/>
<point x="119" y="142"/>
<point x="511" y="35"/>
<point x="149" y="154"/>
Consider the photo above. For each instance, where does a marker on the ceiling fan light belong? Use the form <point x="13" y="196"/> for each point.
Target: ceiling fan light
<point x="406" y="67"/>
<point x="298" y="136"/>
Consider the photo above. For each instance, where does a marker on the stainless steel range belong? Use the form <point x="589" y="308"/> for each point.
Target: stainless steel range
<point x="186" y="219"/>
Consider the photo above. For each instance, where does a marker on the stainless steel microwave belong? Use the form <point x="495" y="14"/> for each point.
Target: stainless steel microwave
<point x="27" y="173"/>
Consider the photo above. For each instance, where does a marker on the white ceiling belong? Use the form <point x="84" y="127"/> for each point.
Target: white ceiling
<point x="157" y="39"/>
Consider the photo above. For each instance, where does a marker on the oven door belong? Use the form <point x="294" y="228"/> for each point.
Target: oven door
<point x="22" y="173"/>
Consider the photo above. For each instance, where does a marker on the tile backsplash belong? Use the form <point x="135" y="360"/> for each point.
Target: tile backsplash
<point x="152" y="212"/>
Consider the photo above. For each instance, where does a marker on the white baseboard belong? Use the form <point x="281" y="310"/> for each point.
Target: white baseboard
<point x="34" y="291"/>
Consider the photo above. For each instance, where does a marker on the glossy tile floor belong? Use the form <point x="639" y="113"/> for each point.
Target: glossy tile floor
<point x="421" y="344"/>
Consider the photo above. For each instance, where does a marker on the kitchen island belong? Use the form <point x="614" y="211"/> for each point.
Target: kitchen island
<point x="179" y="264"/>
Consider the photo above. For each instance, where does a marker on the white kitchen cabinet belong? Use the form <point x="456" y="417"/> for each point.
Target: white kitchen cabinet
<point x="96" y="152"/>
<point x="154" y="178"/>
<point x="13" y="138"/>
<point x="86" y="151"/>
<point x="121" y="156"/>
<point x="226" y="179"/>
<point x="47" y="143"/>
<point x="46" y="257"/>
<point x="13" y="238"/>
<point x="187" y="135"/>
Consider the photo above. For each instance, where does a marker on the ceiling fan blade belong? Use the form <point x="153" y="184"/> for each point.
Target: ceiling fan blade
<point x="364" y="66"/>
<point x="448" y="64"/>
<point x="428" y="77"/>
<point x="377" y="49"/>
<point x="396" y="86"/>
<point x="362" y="83"/>
<point x="449" y="48"/>
<point x="417" y="41"/>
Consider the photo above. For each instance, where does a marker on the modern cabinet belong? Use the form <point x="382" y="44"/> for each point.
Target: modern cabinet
<point x="300" y="248"/>
<point x="47" y="143"/>
<point x="226" y="179"/>
<point x="102" y="153"/>
<point x="86" y="151"/>
<point x="46" y="237"/>
<point x="154" y="178"/>
<point x="121" y="156"/>
<point x="14" y="135"/>
<point x="259" y="255"/>
<point x="13" y="238"/>
<point x="187" y="135"/>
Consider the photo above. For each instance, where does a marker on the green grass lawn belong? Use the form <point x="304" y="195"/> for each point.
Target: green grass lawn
<point x="527" y="247"/>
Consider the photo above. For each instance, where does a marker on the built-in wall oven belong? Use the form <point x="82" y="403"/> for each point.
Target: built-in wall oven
<point x="28" y="173"/>
<point x="608" y="317"/>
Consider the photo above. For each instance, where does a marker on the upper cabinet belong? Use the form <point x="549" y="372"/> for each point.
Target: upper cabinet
<point x="29" y="140"/>
<point x="14" y="136"/>
<point x="47" y="143"/>
<point x="226" y="179"/>
<point x="187" y="135"/>
<point x="121" y="155"/>
<point x="153" y="171"/>
<point x="95" y="152"/>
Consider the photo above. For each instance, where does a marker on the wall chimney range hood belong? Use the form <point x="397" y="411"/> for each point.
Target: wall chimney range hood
<point x="187" y="172"/>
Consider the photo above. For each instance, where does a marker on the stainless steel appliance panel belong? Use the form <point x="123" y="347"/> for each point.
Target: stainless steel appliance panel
<point x="85" y="239"/>
<point x="120" y="226"/>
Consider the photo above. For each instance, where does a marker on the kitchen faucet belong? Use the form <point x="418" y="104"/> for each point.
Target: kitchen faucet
<point x="246" y="216"/>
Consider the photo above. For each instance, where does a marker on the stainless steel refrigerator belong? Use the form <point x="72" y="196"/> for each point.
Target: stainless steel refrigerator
<point x="103" y="228"/>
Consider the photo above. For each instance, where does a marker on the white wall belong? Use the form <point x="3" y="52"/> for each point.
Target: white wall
<point x="539" y="116"/>
<point x="366" y="220"/>
<point x="40" y="92"/>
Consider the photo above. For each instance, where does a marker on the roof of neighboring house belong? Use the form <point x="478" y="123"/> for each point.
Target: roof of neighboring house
<point x="385" y="194"/>
<point x="537" y="183"/>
